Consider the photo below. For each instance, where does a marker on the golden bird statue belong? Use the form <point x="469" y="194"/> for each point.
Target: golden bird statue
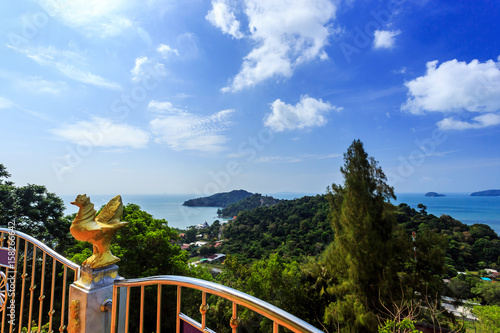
<point x="99" y="231"/>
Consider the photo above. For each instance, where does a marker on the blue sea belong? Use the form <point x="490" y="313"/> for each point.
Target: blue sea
<point x="460" y="206"/>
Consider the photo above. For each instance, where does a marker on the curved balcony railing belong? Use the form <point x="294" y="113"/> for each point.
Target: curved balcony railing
<point x="28" y="293"/>
<point x="276" y="315"/>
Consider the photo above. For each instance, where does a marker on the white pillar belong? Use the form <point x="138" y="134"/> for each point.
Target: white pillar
<point x="86" y="297"/>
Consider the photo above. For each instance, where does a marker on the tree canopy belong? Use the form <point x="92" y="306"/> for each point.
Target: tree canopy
<point x="34" y="211"/>
<point x="361" y="257"/>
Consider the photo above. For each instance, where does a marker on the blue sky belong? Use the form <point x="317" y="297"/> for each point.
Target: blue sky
<point x="192" y="96"/>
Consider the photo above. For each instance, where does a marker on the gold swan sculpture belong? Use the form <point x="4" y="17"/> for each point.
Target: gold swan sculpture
<point x="99" y="231"/>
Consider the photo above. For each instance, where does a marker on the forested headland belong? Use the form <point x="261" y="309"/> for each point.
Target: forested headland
<point x="218" y="199"/>
<point x="345" y="261"/>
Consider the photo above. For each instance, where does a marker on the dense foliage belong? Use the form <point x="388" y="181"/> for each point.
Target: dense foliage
<point x="489" y="318"/>
<point x="218" y="199"/>
<point x="291" y="228"/>
<point x="253" y="201"/>
<point x="33" y="210"/>
<point x="470" y="247"/>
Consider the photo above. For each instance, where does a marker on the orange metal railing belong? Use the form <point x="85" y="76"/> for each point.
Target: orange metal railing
<point x="279" y="317"/>
<point x="38" y="284"/>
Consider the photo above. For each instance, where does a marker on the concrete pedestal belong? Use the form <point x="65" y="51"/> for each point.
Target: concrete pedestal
<point x="86" y="297"/>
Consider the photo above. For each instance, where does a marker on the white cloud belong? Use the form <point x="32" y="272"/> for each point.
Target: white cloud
<point x="63" y="61"/>
<point x="292" y="159"/>
<point x="102" y="132"/>
<point x="455" y="86"/>
<point x="286" y="34"/>
<point x="93" y="18"/>
<point x="162" y="106"/>
<point x="86" y="77"/>
<point x="6" y="103"/>
<point x="187" y="131"/>
<point x="223" y="17"/>
<point x="402" y="70"/>
<point x="484" y="120"/>
<point x="384" y="39"/>
<point x="140" y="68"/>
<point x="309" y="112"/>
<point x="166" y="50"/>
<point x="39" y="85"/>
<point x="278" y="159"/>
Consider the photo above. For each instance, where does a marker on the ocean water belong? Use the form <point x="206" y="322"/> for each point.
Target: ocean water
<point x="460" y="206"/>
<point x="168" y="207"/>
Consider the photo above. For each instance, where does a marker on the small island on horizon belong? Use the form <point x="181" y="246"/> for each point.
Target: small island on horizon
<point x="487" y="193"/>
<point x="434" y="194"/>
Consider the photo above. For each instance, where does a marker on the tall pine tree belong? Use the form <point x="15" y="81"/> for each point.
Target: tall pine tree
<point x="360" y="257"/>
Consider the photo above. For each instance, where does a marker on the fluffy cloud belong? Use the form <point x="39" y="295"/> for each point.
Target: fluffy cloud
<point x="384" y="39"/>
<point x="484" y="120"/>
<point x="162" y="107"/>
<point x="456" y="86"/>
<point x="102" y="132"/>
<point x="166" y="50"/>
<point x="309" y="112"/>
<point x="286" y="34"/>
<point x="223" y="17"/>
<point x="93" y="18"/>
<point x="141" y="65"/>
<point x="186" y="131"/>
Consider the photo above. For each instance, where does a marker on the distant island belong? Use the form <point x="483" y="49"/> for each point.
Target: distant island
<point x="434" y="194"/>
<point x="219" y="199"/>
<point x="251" y="202"/>
<point x="487" y="193"/>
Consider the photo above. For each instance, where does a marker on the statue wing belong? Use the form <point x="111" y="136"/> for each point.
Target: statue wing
<point x="112" y="211"/>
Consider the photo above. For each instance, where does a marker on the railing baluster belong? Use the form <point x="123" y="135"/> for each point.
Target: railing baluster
<point x="32" y="288"/>
<point x="158" y="310"/>
<point x="63" y="304"/>
<point x="178" y="311"/>
<point x="127" y="310"/>
<point x="42" y="296"/>
<point x="51" y="311"/>
<point x="276" y="327"/>
<point x="234" y="318"/>
<point x="203" y="310"/>
<point x="23" y="286"/>
<point x="141" y="316"/>
<point x="114" y="309"/>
